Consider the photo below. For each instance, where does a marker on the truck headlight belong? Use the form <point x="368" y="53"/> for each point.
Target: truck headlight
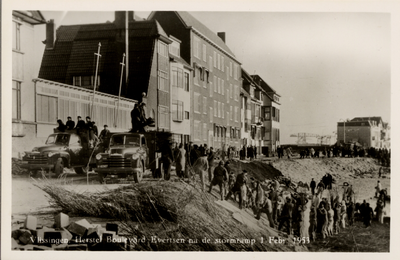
<point x="98" y="157"/>
<point x="135" y="156"/>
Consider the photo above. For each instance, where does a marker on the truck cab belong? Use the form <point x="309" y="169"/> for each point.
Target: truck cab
<point x="126" y="157"/>
<point x="62" y="149"/>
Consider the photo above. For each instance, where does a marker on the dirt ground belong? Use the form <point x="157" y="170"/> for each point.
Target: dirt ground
<point x="362" y="173"/>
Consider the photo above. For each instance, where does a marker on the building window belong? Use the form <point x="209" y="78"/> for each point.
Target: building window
<point x="16" y="36"/>
<point x="16" y="100"/>
<point x="197" y="130"/>
<point x="219" y="61"/>
<point x="47" y="109"/>
<point x="204" y="52"/>
<point x="163" y="81"/>
<point x="196" y="48"/>
<point x="222" y="87"/>
<point x="223" y="110"/>
<point x="186" y="114"/>
<point x="236" y="92"/>
<point x="230" y="68"/>
<point x="177" y="110"/>
<point x="231" y="112"/>
<point x="177" y="77"/>
<point x="196" y="76"/>
<point x="175" y="48"/>
<point x="231" y="90"/>
<point x="211" y="114"/>
<point x="235" y="71"/>
<point x="163" y="117"/>
<point x="163" y="49"/>
<point x="205" y="131"/>
<point x="219" y="109"/>
<point x="215" y="84"/>
<point x="215" y="108"/>
<point x="197" y="103"/>
<point x="236" y="114"/>
<point x="210" y="63"/>
<point x="267" y="113"/>
<point x="215" y="59"/>
<point x="222" y="63"/>
<point x="211" y="89"/>
<point x="204" y="105"/>
<point x="186" y="81"/>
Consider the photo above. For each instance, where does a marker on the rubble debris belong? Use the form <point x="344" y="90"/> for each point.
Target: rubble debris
<point x="61" y="220"/>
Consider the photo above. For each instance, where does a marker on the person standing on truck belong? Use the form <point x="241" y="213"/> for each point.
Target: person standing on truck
<point x="138" y="116"/>
<point x="70" y="124"/>
<point x="167" y="157"/>
<point x="80" y="125"/>
<point x="61" y="127"/>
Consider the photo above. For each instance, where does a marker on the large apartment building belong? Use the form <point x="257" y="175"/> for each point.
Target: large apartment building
<point x="152" y="65"/>
<point x="24" y="24"/>
<point x="367" y="131"/>
<point x="270" y="115"/>
<point x="216" y="79"/>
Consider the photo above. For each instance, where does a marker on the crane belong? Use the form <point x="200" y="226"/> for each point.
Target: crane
<point x="302" y="137"/>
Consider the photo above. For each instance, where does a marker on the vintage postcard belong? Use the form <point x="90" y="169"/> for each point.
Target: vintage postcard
<point x="203" y="127"/>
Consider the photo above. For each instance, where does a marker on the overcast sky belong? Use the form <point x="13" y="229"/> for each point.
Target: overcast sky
<point x="325" y="66"/>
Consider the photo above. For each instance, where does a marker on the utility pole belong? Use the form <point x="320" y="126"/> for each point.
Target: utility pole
<point x="95" y="79"/>
<point x="119" y="93"/>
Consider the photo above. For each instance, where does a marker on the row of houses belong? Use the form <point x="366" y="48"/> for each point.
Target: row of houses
<point x="191" y="81"/>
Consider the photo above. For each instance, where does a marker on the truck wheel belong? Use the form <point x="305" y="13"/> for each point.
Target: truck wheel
<point x="80" y="170"/>
<point x="59" y="167"/>
<point x="34" y="173"/>
<point x="139" y="175"/>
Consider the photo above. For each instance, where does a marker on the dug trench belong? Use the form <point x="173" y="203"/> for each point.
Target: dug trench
<point x="165" y="213"/>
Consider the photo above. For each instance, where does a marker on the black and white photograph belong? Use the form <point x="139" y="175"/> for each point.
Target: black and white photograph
<point x="187" y="129"/>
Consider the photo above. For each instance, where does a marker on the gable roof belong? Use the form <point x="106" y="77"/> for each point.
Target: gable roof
<point x="191" y="22"/>
<point x="32" y="17"/>
<point x="264" y="84"/>
<point x="371" y="118"/>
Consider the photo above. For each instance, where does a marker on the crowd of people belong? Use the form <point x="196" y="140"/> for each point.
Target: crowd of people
<point x="87" y="130"/>
<point x="318" y="211"/>
<point x="382" y="154"/>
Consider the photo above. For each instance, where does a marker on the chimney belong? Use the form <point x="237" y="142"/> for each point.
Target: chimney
<point x="222" y="36"/>
<point x="120" y="18"/>
<point x="50" y="34"/>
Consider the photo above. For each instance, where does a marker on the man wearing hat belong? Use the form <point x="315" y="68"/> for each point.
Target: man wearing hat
<point x="138" y="116"/>
<point x="104" y="136"/>
<point x="241" y="180"/>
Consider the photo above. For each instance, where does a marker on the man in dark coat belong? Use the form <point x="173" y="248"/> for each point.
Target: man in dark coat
<point x="312" y="186"/>
<point x="61" y="127"/>
<point x="80" y="125"/>
<point x="210" y="159"/>
<point x="286" y="216"/>
<point x="241" y="180"/>
<point x="105" y="136"/>
<point x="167" y="157"/>
<point x="70" y="124"/>
<point x="220" y="176"/>
<point x="138" y="117"/>
<point x="368" y="215"/>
